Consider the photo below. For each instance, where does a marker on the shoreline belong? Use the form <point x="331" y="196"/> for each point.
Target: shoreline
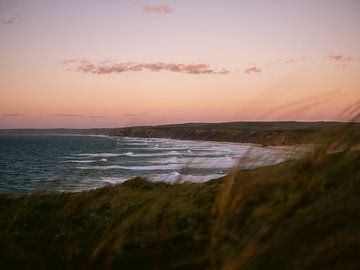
<point x="132" y="225"/>
<point x="213" y="165"/>
<point x="265" y="133"/>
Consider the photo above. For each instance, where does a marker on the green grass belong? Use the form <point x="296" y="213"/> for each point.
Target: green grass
<point x="300" y="214"/>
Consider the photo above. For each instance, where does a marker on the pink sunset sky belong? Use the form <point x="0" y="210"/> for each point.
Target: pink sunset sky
<point x="132" y="62"/>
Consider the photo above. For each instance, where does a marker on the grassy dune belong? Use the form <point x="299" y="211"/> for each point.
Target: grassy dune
<point x="301" y="214"/>
<point x="297" y="215"/>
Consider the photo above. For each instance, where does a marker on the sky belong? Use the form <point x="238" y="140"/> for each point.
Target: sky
<point x="115" y="63"/>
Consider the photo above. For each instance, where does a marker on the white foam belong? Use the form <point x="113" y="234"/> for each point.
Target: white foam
<point x="169" y="177"/>
<point x="130" y="154"/>
<point x="176" y="177"/>
<point x="208" y="163"/>
<point x="81" y="161"/>
<point x="100" y="155"/>
<point x="138" y="144"/>
<point x="206" y="160"/>
<point x="166" y="160"/>
<point x="133" y="168"/>
<point x="204" y="154"/>
<point x="199" y="162"/>
<point x="114" y="180"/>
<point x="164" y="148"/>
<point x="171" y="153"/>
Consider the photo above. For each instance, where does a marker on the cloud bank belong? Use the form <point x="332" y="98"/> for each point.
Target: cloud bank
<point x="107" y="67"/>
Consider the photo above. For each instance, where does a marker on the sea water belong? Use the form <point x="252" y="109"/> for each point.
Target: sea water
<point x="31" y="163"/>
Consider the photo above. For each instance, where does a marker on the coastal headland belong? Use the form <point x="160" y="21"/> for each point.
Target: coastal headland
<point x="299" y="214"/>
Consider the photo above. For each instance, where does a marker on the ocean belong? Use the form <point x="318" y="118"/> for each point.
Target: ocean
<point x="71" y="163"/>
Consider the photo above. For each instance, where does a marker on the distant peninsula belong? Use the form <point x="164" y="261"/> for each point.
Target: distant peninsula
<point x="262" y="133"/>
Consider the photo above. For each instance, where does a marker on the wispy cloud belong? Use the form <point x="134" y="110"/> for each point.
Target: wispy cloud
<point x="253" y="70"/>
<point x="70" y="61"/>
<point x="129" y="115"/>
<point x="65" y="115"/>
<point x="287" y="61"/>
<point x="107" y="67"/>
<point x="13" y="20"/>
<point x="96" y="116"/>
<point x="12" y="115"/>
<point x="70" y="115"/>
<point x="340" y="58"/>
<point x="294" y="60"/>
<point x="274" y="62"/>
<point x="158" y="8"/>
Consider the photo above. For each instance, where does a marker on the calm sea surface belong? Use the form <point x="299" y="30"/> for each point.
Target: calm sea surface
<point x="75" y="163"/>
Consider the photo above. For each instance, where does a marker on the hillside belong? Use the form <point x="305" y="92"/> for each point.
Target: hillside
<point x="296" y="215"/>
<point x="264" y="133"/>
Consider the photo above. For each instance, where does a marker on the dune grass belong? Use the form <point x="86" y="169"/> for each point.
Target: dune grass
<point x="301" y="214"/>
<point x="296" y="215"/>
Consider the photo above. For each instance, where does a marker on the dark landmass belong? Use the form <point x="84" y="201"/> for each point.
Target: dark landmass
<point x="264" y="133"/>
<point x="300" y="214"/>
